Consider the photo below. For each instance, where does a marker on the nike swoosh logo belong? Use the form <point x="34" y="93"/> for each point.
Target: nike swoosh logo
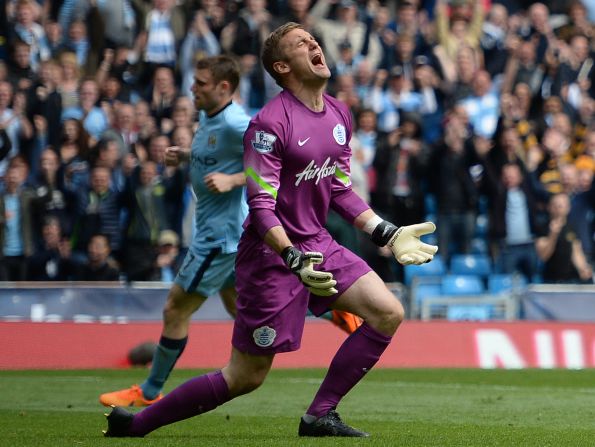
<point x="301" y="143"/>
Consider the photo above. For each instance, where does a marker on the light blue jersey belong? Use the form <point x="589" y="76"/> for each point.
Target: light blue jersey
<point x="218" y="147"/>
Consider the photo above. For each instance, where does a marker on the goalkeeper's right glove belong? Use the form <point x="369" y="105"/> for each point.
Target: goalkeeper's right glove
<point x="301" y="264"/>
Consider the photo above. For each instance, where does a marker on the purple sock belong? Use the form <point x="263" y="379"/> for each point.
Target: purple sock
<point x="196" y="396"/>
<point x="356" y="356"/>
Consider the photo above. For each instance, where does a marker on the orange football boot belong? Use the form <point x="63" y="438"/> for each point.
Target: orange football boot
<point x="130" y="397"/>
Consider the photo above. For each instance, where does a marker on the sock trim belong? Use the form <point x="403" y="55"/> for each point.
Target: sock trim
<point x="172" y="343"/>
<point x="373" y="334"/>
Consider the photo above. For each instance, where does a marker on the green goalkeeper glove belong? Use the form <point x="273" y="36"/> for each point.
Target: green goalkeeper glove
<point x="302" y="265"/>
<point x="404" y="241"/>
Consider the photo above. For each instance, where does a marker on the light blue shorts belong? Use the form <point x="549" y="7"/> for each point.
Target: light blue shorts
<point x="206" y="271"/>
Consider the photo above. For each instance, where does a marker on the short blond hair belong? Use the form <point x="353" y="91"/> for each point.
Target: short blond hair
<point x="271" y="50"/>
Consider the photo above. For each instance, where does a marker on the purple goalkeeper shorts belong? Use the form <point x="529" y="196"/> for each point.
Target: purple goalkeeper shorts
<point x="272" y="302"/>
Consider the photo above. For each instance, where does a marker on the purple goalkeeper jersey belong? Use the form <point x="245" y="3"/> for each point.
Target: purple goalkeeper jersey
<point x="297" y="166"/>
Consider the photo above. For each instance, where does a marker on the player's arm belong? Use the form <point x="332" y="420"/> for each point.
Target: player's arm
<point x="174" y="155"/>
<point x="219" y="182"/>
<point x="404" y="242"/>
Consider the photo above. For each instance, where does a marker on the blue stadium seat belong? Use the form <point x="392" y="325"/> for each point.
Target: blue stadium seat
<point x="469" y="312"/>
<point x="422" y="291"/>
<point x="479" y="246"/>
<point x="481" y="225"/>
<point x="471" y="264"/>
<point x="430" y="204"/>
<point x="462" y="285"/>
<point x="435" y="268"/>
<point x="504" y="282"/>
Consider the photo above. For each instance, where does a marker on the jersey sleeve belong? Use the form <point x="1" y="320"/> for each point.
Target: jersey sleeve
<point x="262" y="164"/>
<point x="237" y="124"/>
<point x="345" y="201"/>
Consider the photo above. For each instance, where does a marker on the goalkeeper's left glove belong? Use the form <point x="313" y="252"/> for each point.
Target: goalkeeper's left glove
<point x="404" y="241"/>
<point x="302" y="265"/>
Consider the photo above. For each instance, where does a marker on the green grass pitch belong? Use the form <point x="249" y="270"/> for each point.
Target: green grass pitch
<point x="408" y="407"/>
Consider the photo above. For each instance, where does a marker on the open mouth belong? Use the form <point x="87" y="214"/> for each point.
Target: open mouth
<point x="317" y="60"/>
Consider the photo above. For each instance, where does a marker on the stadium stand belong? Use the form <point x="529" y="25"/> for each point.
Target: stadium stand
<point x="435" y="268"/>
<point x="471" y="264"/>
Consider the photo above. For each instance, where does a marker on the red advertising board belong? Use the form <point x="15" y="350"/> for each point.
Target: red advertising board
<point x="416" y="345"/>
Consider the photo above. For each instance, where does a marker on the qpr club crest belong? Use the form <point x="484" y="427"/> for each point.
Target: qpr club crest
<point x="263" y="142"/>
<point x="264" y="336"/>
<point x="340" y="134"/>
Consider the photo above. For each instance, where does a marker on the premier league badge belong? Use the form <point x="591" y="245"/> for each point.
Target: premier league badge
<point x="263" y="142"/>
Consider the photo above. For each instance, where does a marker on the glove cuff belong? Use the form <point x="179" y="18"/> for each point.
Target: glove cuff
<point x="383" y="233"/>
<point x="292" y="258"/>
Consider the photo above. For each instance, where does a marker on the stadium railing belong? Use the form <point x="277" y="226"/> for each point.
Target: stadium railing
<point x="129" y="302"/>
<point x="484" y="307"/>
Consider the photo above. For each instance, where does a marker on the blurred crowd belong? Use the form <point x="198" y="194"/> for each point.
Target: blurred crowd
<point x="477" y="114"/>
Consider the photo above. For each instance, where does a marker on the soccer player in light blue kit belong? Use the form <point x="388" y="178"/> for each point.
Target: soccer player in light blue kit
<point x="216" y="173"/>
<point x="296" y="157"/>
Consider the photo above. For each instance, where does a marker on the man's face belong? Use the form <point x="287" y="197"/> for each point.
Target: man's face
<point x="141" y="112"/>
<point x="304" y="56"/>
<point x="53" y="31"/>
<point x="510" y="139"/>
<point x="100" y="180"/>
<point x="299" y="5"/>
<point x="111" y="87"/>
<point x="559" y="205"/>
<point x="110" y="154"/>
<point x="5" y="94"/>
<point x="21" y="55"/>
<point x="163" y="79"/>
<point x="511" y="176"/>
<point x="157" y="148"/>
<point x="89" y="92"/>
<point x="71" y="130"/>
<point x="49" y="161"/>
<point x="77" y="31"/>
<point x="98" y="249"/>
<point x="482" y="83"/>
<point x="12" y="179"/>
<point x="406" y="14"/>
<point x="580" y="47"/>
<point x="126" y="117"/>
<point x="206" y="93"/>
<point x="148" y="172"/>
<point x="51" y="233"/>
<point x="25" y="14"/>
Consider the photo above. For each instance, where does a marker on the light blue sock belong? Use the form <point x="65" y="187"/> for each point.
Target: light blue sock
<point x="166" y="355"/>
<point x="328" y="315"/>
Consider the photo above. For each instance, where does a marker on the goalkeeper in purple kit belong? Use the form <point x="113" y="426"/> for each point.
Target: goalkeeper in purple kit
<point x="296" y="160"/>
